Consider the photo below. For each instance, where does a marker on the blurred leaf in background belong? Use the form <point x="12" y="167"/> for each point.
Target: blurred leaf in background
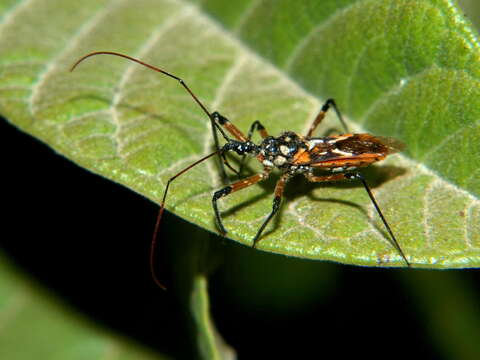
<point x="35" y="326"/>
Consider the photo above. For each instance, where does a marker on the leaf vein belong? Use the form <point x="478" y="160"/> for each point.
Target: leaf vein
<point x="303" y="43"/>
<point x="218" y="98"/>
<point x="51" y="66"/>
<point x="449" y="137"/>
<point x="10" y="15"/>
<point x="132" y="67"/>
<point x="246" y="15"/>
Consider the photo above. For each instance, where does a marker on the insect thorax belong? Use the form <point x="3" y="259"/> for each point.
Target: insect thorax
<point x="280" y="151"/>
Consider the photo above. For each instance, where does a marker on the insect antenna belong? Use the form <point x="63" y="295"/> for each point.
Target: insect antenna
<point x="215" y="127"/>
<point x="153" y="245"/>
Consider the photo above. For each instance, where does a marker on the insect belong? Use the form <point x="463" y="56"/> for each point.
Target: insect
<point x="340" y="156"/>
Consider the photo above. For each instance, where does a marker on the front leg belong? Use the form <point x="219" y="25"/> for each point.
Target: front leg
<point x="227" y="190"/>
<point x="227" y="124"/>
<point x="219" y="119"/>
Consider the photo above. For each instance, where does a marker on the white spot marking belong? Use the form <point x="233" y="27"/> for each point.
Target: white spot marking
<point x="333" y="141"/>
<point x="314" y="142"/>
<point x="284" y="149"/>
<point x="343" y="153"/>
<point x="279" y="161"/>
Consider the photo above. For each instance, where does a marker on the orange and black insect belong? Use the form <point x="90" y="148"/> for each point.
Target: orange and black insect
<point x="340" y="156"/>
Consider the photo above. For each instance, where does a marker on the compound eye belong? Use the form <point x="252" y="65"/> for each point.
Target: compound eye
<point x="272" y="148"/>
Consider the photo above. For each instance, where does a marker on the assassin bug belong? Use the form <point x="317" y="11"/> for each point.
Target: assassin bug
<point x="291" y="153"/>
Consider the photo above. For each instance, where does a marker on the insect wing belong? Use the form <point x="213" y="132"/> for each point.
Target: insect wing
<point x="392" y="144"/>
<point x="353" y="148"/>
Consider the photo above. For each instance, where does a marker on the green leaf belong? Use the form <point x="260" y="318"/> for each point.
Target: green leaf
<point x="25" y="313"/>
<point x="407" y="69"/>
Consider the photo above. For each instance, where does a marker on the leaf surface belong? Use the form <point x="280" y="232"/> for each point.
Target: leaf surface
<point x="407" y="69"/>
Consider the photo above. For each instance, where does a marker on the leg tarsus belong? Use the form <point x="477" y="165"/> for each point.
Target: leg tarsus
<point x="360" y="177"/>
<point x="217" y="195"/>
<point x="231" y="189"/>
<point x="332" y="103"/>
<point x="277" y="200"/>
<point x="321" y="115"/>
<point x="276" y="206"/>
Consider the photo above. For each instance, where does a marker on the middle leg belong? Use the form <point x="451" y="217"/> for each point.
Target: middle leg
<point x="321" y="116"/>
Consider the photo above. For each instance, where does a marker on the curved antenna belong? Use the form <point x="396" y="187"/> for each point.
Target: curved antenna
<point x="160" y="214"/>
<point x="214" y="124"/>
<point x="218" y="151"/>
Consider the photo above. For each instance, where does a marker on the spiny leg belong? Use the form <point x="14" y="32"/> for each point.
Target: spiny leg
<point x="241" y="184"/>
<point x="276" y="206"/>
<point x="321" y="116"/>
<point x="358" y="176"/>
<point x="256" y="125"/>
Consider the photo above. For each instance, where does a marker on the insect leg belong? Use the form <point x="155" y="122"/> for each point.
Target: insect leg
<point x="220" y="120"/>
<point x="321" y="116"/>
<point x="231" y="128"/>
<point x="256" y="125"/>
<point x="223" y="159"/>
<point x="241" y="184"/>
<point x="276" y="206"/>
<point x="358" y="176"/>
